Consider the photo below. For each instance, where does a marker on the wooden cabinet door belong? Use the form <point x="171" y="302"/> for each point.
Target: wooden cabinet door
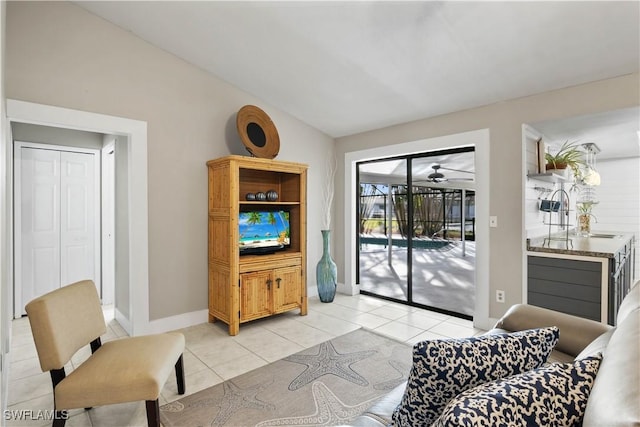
<point x="286" y="293"/>
<point x="255" y="292"/>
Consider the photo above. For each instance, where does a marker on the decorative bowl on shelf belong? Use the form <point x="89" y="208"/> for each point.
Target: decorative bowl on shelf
<point x="272" y="195"/>
<point x="250" y="197"/>
<point x="257" y="132"/>
<point x="261" y="197"/>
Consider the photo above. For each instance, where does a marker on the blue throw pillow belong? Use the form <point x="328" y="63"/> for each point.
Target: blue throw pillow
<point x="442" y="369"/>
<point x="554" y="395"/>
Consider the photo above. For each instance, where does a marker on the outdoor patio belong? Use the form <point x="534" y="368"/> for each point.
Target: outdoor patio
<point x="442" y="277"/>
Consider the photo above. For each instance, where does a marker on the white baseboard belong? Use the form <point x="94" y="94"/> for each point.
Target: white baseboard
<point x="348" y="289"/>
<point x="312" y="291"/>
<point x="165" y="324"/>
<point x="178" y="321"/>
<point x="122" y="320"/>
<point x="491" y="322"/>
<point x="185" y="320"/>
<point x="341" y="288"/>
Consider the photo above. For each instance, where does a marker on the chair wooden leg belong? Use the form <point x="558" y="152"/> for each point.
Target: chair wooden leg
<point x="60" y="418"/>
<point x="180" y="375"/>
<point x="153" y="413"/>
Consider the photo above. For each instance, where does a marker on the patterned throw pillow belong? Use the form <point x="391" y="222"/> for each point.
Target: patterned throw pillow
<point x="554" y="395"/>
<point x="442" y="369"/>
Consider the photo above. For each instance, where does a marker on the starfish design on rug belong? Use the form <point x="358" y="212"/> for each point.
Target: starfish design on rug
<point x="328" y="361"/>
<point x="176" y="406"/>
<point x="402" y="369"/>
<point x="236" y="398"/>
<point x="329" y="411"/>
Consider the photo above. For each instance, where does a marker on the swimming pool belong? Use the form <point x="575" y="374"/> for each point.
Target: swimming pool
<point x="417" y="243"/>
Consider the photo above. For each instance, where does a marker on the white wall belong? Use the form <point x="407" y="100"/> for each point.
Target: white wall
<point x="619" y="196"/>
<point x="191" y="119"/>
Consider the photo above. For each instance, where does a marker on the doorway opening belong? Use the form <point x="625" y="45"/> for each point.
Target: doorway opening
<point x="131" y="302"/>
<point x="57" y="214"/>
<point x="416" y="229"/>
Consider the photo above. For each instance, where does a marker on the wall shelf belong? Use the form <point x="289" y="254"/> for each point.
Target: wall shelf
<point x="547" y="177"/>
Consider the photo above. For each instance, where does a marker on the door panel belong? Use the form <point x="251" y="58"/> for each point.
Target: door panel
<point x="255" y="289"/>
<point x="287" y="289"/>
<point x="383" y="221"/>
<point x="40" y="223"/>
<point x="77" y="212"/>
<point x="44" y="260"/>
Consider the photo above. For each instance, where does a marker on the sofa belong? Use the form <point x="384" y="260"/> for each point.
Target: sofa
<point x="615" y="397"/>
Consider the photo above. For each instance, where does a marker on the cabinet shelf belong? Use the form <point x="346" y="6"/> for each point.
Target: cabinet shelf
<point x="276" y="204"/>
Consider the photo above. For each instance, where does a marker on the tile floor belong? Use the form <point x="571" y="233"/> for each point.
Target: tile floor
<point x="212" y="356"/>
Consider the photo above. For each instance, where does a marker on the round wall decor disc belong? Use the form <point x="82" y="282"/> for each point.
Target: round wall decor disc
<point x="257" y="132"/>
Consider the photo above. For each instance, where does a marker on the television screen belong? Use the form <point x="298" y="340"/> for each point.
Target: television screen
<point x="263" y="231"/>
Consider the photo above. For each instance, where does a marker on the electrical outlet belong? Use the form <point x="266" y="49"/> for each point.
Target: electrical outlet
<point x="500" y="297"/>
<point x="493" y="221"/>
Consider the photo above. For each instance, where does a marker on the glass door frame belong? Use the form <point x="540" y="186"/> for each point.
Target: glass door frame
<point x="410" y="224"/>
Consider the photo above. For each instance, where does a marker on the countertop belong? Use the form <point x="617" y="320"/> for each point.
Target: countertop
<point x="594" y="246"/>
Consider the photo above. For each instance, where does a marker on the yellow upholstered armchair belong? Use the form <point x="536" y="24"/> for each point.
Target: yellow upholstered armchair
<point x="123" y="370"/>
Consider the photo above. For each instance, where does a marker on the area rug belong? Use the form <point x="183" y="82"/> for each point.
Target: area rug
<point x="328" y="384"/>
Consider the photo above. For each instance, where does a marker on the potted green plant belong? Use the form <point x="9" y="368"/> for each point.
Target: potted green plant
<point x="569" y="155"/>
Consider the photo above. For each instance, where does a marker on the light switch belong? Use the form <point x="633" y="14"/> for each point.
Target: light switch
<point x="493" y="221"/>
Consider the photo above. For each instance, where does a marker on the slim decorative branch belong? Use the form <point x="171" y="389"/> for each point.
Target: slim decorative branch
<point x="332" y="163"/>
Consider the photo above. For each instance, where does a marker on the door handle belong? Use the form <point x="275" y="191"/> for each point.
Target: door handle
<point x="278" y="281"/>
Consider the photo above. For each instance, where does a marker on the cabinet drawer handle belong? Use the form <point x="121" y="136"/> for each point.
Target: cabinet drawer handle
<point x="278" y="280"/>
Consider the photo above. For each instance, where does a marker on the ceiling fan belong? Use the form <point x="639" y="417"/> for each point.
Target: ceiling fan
<point x="437" y="176"/>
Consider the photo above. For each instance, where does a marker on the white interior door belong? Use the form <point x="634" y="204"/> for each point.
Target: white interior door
<point x="57" y="211"/>
<point x="77" y="217"/>
<point x="38" y="260"/>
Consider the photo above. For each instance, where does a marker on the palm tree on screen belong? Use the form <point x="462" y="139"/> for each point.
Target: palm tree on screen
<point x="254" y="218"/>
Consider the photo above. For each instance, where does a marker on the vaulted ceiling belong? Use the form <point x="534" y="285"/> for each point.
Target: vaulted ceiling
<point x="349" y="67"/>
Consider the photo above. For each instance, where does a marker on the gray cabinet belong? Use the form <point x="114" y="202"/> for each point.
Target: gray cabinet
<point x="589" y="289"/>
<point x="566" y="285"/>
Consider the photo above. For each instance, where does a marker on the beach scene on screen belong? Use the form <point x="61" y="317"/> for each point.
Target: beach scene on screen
<point x="263" y="229"/>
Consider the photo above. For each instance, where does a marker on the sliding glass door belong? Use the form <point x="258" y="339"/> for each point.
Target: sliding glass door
<point x="382" y="244"/>
<point x="416" y="239"/>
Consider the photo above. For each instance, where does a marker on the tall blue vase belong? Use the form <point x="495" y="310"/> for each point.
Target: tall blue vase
<point x="326" y="271"/>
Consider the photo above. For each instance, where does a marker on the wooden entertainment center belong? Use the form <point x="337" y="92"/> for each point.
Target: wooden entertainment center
<point x="249" y="287"/>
